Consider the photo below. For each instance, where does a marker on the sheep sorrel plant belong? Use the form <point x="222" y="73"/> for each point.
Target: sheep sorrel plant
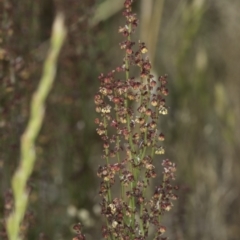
<point x="130" y="109"/>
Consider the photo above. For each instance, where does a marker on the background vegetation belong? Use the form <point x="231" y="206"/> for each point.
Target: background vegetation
<point x="195" y="41"/>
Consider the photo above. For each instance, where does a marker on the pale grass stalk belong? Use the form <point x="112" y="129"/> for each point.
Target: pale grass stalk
<point x="28" y="156"/>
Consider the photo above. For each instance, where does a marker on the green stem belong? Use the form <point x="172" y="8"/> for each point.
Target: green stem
<point x="28" y="157"/>
<point x="133" y="184"/>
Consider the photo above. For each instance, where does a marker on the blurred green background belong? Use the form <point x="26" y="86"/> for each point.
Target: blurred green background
<point x="196" y="42"/>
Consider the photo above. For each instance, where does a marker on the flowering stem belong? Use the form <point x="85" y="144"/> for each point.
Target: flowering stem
<point x="133" y="142"/>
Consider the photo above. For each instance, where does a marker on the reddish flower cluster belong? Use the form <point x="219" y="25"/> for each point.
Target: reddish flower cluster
<point x="130" y="108"/>
<point x="78" y="228"/>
